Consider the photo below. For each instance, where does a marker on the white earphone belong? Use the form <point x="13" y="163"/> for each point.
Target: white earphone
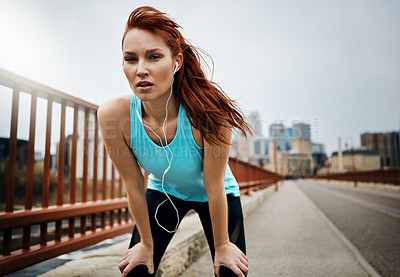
<point x="137" y="112"/>
<point x="166" y="154"/>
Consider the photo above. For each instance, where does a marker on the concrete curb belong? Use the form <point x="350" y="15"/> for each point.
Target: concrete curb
<point x="187" y="246"/>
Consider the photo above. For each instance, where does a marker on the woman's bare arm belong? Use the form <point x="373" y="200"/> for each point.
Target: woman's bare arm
<point x="111" y="118"/>
<point x="215" y="161"/>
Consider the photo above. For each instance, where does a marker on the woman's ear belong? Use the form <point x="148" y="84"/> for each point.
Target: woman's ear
<point x="178" y="62"/>
<point x="176" y="67"/>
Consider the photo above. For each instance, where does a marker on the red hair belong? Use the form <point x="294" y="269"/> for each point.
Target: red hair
<point x="208" y="108"/>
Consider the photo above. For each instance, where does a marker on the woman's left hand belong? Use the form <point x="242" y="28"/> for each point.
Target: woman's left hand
<point x="230" y="256"/>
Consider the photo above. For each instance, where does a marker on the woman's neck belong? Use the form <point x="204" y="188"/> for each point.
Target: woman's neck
<point x="154" y="111"/>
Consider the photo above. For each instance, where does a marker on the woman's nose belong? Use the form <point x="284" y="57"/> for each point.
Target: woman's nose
<point x="142" y="69"/>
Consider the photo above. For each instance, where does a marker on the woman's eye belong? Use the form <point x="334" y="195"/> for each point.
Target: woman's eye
<point x="154" y="57"/>
<point x="130" y="59"/>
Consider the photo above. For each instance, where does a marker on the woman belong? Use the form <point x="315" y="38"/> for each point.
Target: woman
<point x="178" y="128"/>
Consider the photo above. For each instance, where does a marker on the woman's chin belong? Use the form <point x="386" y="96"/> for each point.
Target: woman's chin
<point x="150" y="95"/>
<point x="145" y="96"/>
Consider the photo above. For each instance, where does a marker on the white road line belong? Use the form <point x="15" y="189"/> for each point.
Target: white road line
<point x="366" y="204"/>
<point x="357" y="255"/>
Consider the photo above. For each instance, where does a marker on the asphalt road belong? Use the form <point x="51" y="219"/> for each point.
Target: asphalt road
<point x="287" y="236"/>
<point x="369" y="218"/>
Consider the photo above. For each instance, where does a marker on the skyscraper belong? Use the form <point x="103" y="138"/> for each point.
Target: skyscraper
<point x="387" y="144"/>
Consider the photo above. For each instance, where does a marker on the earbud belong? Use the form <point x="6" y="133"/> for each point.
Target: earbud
<point x="176" y="67"/>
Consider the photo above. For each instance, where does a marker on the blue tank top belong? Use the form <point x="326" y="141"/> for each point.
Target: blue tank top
<point x="184" y="179"/>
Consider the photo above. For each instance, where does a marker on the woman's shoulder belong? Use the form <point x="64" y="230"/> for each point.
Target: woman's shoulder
<point x="117" y="107"/>
<point x="115" y="112"/>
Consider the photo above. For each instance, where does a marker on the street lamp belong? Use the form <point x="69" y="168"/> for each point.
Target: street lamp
<point x="353" y="161"/>
<point x="281" y="130"/>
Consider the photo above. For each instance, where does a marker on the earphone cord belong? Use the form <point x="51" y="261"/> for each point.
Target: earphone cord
<point x="169" y="163"/>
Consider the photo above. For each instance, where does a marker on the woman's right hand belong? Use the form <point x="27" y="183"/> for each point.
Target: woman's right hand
<point x="139" y="254"/>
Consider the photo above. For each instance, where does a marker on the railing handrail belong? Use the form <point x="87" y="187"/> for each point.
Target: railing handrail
<point x="359" y="171"/>
<point x="10" y="79"/>
<point x="36" y="216"/>
<point x="390" y="176"/>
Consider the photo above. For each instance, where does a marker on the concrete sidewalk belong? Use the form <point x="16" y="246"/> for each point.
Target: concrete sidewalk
<point x="187" y="246"/>
<point x="287" y="236"/>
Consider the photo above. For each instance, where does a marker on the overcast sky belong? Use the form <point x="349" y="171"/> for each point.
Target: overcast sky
<point x="334" y="64"/>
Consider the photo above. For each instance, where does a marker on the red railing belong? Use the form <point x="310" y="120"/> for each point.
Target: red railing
<point x="252" y="177"/>
<point x="82" y="211"/>
<point x="387" y="176"/>
<point x="96" y="208"/>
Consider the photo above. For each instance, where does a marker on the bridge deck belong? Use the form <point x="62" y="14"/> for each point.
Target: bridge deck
<point x="288" y="236"/>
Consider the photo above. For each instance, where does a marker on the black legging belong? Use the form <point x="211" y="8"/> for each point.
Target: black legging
<point x="167" y="218"/>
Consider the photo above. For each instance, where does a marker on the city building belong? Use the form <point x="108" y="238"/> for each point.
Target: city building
<point x="290" y="151"/>
<point x="301" y="146"/>
<point x="355" y="160"/>
<point x="319" y="156"/>
<point x="21" y="160"/>
<point x="302" y="131"/>
<point x="254" y="148"/>
<point x="294" y="162"/>
<point x="317" y="147"/>
<point x="283" y="136"/>
<point x="387" y="145"/>
<point x="292" y="145"/>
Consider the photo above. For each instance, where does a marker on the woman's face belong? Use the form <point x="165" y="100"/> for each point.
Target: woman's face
<point x="148" y="64"/>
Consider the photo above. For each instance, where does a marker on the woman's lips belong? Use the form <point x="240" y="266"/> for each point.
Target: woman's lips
<point x="144" y="85"/>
